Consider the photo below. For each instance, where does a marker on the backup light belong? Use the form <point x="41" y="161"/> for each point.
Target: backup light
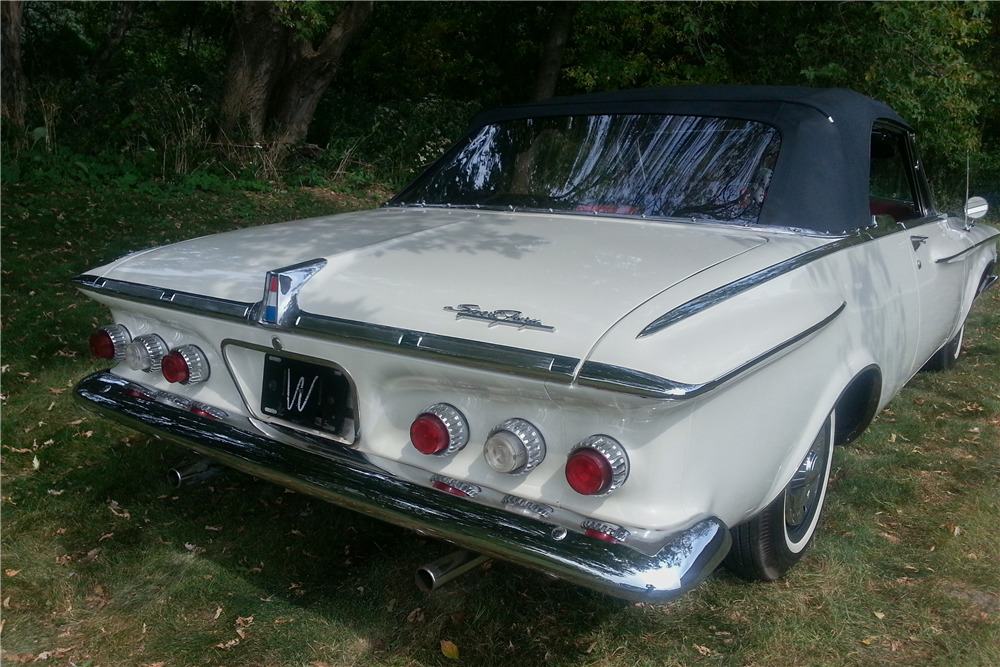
<point x="185" y="364"/>
<point x="145" y="353"/>
<point x="514" y="447"/>
<point x="597" y="466"/>
<point x="440" y="429"/>
<point x="109" y="342"/>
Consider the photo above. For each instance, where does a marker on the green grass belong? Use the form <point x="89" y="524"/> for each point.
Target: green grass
<point x="104" y="564"/>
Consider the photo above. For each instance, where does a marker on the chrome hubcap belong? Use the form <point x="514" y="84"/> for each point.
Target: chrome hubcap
<point x="806" y="484"/>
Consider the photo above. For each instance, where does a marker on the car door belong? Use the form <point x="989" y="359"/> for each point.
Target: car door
<point x="899" y="189"/>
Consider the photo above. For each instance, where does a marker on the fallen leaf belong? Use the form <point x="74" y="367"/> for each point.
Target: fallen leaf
<point x="879" y="615"/>
<point x="11" y="573"/>
<point x="218" y="613"/>
<point x="449" y="649"/>
<point x="105" y="536"/>
<point x="35" y="463"/>
<point x="415" y="616"/>
<point x="891" y="538"/>
<point x="213" y="528"/>
<point x="704" y="650"/>
<point x="868" y="640"/>
<point x="75" y="422"/>
<point x="244" y="621"/>
<point x="91" y="555"/>
<point x="194" y="547"/>
<point x="56" y="492"/>
<point x="228" y="645"/>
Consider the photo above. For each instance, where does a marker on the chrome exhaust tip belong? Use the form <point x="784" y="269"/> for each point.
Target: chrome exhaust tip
<point x="199" y="470"/>
<point x="434" y="575"/>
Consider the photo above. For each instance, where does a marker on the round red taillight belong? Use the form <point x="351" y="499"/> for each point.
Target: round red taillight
<point x="588" y="472"/>
<point x="429" y="434"/>
<point x="186" y="364"/>
<point x="440" y="429"/>
<point x="597" y="466"/>
<point x="101" y="345"/>
<point x="109" y="342"/>
<point x="175" y="368"/>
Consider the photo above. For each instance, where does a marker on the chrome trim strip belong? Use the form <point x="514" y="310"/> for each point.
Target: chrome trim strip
<point x="959" y="255"/>
<point x="487" y="356"/>
<point x="630" y="381"/>
<point x="196" y="303"/>
<point x="720" y="294"/>
<point x="349" y="479"/>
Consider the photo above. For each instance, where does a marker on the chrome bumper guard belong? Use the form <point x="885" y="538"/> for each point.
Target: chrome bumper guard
<point x="349" y="479"/>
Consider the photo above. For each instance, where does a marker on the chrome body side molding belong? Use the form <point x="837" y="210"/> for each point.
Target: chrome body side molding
<point x="349" y="479"/>
<point x="487" y="356"/>
<point x="959" y="255"/>
<point x="501" y="358"/>
<point x="630" y="381"/>
<point x="713" y="297"/>
<point x="205" y="305"/>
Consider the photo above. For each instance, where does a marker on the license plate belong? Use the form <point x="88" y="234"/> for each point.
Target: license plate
<point x="306" y="394"/>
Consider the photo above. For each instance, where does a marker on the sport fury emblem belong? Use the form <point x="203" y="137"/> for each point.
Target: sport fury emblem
<point x="279" y="306"/>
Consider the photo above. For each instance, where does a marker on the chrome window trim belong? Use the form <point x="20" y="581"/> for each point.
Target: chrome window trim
<point x="630" y="381"/>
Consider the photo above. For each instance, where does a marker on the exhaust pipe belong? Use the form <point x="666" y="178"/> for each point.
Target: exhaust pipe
<point x="434" y="575"/>
<point x="196" y="472"/>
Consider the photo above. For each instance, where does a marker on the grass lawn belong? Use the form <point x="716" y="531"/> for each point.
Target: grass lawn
<point x="104" y="564"/>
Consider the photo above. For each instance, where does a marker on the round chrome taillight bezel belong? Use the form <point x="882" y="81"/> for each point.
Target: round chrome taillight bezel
<point x="115" y="335"/>
<point x="194" y="361"/>
<point x="455" y="429"/>
<point x="608" y="450"/>
<point x="145" y="353"/>
<point x="520" y="440"/>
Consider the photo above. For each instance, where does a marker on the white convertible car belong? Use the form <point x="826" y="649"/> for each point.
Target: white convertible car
<point x="611" y="337"/>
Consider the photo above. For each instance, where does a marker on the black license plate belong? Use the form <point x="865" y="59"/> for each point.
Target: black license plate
<point x="306" y="394"/>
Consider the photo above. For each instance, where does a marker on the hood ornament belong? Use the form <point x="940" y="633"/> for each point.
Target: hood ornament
<point x="280" y="305"/>
<point x="510" y="318"/>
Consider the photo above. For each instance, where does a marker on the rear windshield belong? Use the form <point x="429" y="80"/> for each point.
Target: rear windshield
<point x="637" y="165"/>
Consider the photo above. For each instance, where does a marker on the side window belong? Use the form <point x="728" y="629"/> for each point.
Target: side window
<point x="892" y="182"/>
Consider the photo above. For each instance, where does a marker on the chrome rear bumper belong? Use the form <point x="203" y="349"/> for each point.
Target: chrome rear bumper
<point x="349" y="479"/>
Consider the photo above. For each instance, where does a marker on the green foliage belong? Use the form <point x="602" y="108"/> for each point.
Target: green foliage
<point x="420" y="70"/>
<point x="368" y="142"/>
<point x="631" y="45"/>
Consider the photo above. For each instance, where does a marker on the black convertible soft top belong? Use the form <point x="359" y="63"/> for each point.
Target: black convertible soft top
<point x="821" y="177"/>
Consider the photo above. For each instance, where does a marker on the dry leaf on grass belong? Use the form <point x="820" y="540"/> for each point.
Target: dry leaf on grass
<point x="449" y="649"/>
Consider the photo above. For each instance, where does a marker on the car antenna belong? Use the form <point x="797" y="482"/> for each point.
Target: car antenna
<point x="965" y="207"/>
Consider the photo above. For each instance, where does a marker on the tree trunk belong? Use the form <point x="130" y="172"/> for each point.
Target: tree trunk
<point x="114" y="38"/>
<point x="309" y="73"/>
<point x="256" y="55"/>
<point x="276" y="79"/>
<point x="548" y="73"/>
<point x="12" y="88"/>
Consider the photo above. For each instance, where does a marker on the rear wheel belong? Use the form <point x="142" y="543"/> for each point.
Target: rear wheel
<point x="947" y="357"/>
<point x="768" y="545"/>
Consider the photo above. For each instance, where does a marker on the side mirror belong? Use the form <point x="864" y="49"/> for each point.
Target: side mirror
<point x="976" y="208"/>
